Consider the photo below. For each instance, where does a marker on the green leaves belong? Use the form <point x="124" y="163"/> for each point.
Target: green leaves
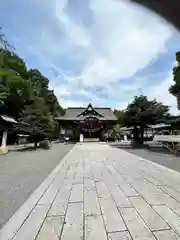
<point x="175" y="88"/>
<point x="142" y="111"/>
<point x="24" y="94"/>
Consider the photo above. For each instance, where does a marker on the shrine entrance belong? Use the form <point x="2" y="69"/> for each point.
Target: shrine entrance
<point x="86" y="123"/>
<point x="91" y="127"/>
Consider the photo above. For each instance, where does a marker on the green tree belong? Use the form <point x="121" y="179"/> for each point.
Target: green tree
<point x="141" y="112"/>
<point x="25" y="95"/>
<point x="175" y="88"/>
<point x="120" y="114"/>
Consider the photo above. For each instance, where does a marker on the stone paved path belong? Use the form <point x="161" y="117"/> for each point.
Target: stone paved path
<point x="99" y="192"/>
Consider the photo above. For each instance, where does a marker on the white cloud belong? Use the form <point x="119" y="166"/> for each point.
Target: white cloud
<point x="120" y="40"/>
<point x="128" y="39"/>
<point x="161" y="93"/>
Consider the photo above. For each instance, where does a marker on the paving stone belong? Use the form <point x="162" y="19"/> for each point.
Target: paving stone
<point x="172" y="203"/>
<point x="119" y="236"/>
<point x="79" y="175"/>
<point x="70" y="174"/>
<point x="166" y="235"/>
<point x="51" y="228"/>
<point x="119" y="197"/>
<point x="148" y="214"/>
<point x="169" y="216"/>
<point x="88" y="171"/>
<point x="94" y="228"/>
<point x="102" y="190"/>
<point x="77" y="193"/>
<point x="135" y="225"/>
<point x="152" y="194"/>
<point x="171" y="192"/>
<point x="91" y="204"/>
<point x="32" y="225"/>
<point x="51" y="192"/>
<point x="89" y="184"/>
<point x="73" y="227"/>
<point x="109" y="179"/>
<point x="112" y="218"/>
<point x="60" y="203"/>
<point x="127" y="188"/>
<point x="97" y="171"/>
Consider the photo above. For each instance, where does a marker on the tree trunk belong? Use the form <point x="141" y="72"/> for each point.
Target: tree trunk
<point x="136" y="140"/>
<point x="35" y="145"/>
<point x="142" y="134"/>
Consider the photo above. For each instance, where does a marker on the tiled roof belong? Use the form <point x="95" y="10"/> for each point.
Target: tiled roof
<point x="73" y="114"/>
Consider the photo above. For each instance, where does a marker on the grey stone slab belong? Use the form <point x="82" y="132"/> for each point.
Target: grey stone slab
<point x="51" y="228"/>
<point x="169" y="216"/>
<point x="172" y="203"/>
<point x="70" y="174"/>
<point x="152" y="194"/>
<point x="79" y="175"/>
<point x="148" y="214"/>
<point x="109" y="179"/>
<point x="94" y="228"/>
<point x="51" y="192"/>
<point x="119" y="197"/>
<point x="166" y="235"/>
<point x="112" y="218"/>
<point x="119" y="236"/>
<point x="102" y="190"/>
<point x="125" y="186"/>
<point x="135" y="225"/>
<point x="91" y="204"/>
<point x="175" y="194"/>
<point x="73" y="227"/>
<point x="78" y="179"/>
<point x="15" y="222"/>
<point x="97" y="171"/>
<point x="76" y="193"/>
<point x="89" y="184"/>
<point x="60" y="203"/>
<point x="32" y="225"/>
<point x="21" y="172"/>
<point x="128" y="189"/>
<point x="88" y="171"/>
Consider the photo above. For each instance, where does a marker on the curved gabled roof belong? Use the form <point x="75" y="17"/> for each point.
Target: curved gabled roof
<point x="81" y="113"/>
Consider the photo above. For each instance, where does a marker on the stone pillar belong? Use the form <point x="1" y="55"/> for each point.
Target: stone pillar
<point x="3" y="148"/>
<point x="125" y="138"/>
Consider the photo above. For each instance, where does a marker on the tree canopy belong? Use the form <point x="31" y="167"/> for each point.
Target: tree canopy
<point x="25" y="95"/>
<point x="141" y="112"/>
<point x="175" y="88"/>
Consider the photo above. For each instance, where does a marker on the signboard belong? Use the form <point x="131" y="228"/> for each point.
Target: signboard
<point x="81" y="138"/>
<point x="91" y="124"/>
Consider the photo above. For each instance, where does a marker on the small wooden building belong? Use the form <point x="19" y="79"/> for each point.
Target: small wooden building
<point x="6" y="124"/>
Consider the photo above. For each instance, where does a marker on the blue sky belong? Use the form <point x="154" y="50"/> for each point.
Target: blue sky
<point x="99" y="51"/>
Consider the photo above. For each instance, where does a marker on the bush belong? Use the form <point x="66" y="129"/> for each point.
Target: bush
<point x="45" y="144"/>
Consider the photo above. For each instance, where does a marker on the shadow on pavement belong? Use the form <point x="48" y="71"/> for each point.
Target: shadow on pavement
<point x="23" y="149"/>
<point x="147" y="148"/>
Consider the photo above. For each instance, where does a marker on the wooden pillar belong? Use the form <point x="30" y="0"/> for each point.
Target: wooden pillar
<point x="3" y="148"/>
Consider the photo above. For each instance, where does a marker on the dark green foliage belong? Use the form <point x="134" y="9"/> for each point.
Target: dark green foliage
<point x="24" y="95"/>
<point x="141" y="112"/>
<point x="175" y="88"/>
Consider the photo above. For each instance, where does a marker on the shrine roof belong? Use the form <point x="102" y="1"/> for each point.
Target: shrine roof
<point x="89" y="111"/>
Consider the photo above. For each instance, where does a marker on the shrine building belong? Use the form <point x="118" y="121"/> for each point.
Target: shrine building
<point x="83" y="124"/>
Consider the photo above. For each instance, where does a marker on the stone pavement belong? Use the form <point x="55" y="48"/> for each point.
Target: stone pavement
<point x="100" y="192"/>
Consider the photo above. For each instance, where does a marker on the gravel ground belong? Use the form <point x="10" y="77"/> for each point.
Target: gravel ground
<point x="156" y="154"/>
<point x="21" y="172"/>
